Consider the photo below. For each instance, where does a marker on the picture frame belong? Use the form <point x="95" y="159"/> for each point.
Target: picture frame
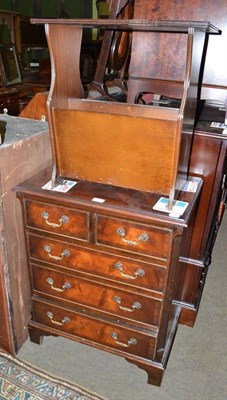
<point x="10" y="69"/>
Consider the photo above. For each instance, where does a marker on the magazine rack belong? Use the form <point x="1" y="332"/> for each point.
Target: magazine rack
<point x="129" y="145"/>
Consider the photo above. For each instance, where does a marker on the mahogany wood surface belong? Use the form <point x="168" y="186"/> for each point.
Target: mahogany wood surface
<point x="130" y="272"/>
<point x="36" y="108"/>
<point x="101" y="296"/>
<point x="76" y="226"/>
<point x="208" y="161"/>
<point x="156" y="244"/>
<point x="165" y="58"/>
<point x="122" y="200"/>
<point x="108" y="307"/>
<point x="89" y="328"/>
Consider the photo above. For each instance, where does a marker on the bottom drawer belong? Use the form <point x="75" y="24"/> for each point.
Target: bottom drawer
<point x="90" y="328"/>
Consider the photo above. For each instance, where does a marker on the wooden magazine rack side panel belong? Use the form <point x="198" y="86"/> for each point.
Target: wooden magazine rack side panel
<point x="64" y="44"/>
<point x="118" y="150"/>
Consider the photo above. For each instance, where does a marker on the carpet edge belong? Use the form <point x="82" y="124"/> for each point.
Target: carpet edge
<point x="53" y="378"/>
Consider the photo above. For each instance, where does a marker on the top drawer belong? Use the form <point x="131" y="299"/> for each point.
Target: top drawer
<point x="137" y="238"/>
<point x="59" y="220"/>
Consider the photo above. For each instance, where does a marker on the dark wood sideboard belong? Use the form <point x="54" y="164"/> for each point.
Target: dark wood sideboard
<point x="208" y="161"/>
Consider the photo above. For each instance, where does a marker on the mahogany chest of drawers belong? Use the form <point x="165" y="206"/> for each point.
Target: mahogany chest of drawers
<point x="104" y="268"/>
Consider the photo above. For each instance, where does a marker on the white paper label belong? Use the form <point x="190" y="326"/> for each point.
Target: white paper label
<point x="64" y="187"/>
<point x="98" y="200"/>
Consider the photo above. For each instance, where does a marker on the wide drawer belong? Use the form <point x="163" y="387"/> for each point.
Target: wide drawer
<point x="135" y="237"/>
<point x="58" y="220"/>
<point x="132" y="272"/>
<point x="95" y="330"/>
<point x="130" y="306"/>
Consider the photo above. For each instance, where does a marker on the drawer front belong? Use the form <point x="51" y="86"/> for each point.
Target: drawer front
<point x="98" y="331"/>
<point x="127" y="305"/>
<point x="58" y="220"/>
<point x="135" y="237"/>
<point x="121" y="269"/>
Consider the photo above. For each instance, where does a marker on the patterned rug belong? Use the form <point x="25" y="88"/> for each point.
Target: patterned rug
<point x="21" y="381"/>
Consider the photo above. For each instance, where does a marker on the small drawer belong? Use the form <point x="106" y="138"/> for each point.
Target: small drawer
<point x="137" y="238"/>
<point x="59" y="220"/>
<point x="130" y="306"/>
<point x="94" y="330"/>
<point x="121" y="269"/>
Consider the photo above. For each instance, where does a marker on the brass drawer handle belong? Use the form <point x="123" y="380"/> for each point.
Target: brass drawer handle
<point x="63" y="220"/>
<point x="143" y="237"/>
<point x="64" y="320"/>
<point x="131" y="341"/>
<point x="64" y="287"/>
<point x="64" y="253"/>
<point x="139" y="272"/>
<point x="135" y="306"/>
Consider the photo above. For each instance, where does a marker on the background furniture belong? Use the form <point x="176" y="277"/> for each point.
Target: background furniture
<point x="166" y="58"/>
<point x="9" y="100"/>
<point x="36" y="108"/>
<point x="10" y="27"/>
<point x="163" y="73"/>
<point x="12" y="80"/>
<point x="24" y="150"/>
<point x="208" y="161"/>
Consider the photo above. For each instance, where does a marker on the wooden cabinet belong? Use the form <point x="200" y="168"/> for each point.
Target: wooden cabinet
<point x="105" y="274"/>
<point x="209" y="162"/>
<point x="24" y="150"/>
<point x="165" y="58"/>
